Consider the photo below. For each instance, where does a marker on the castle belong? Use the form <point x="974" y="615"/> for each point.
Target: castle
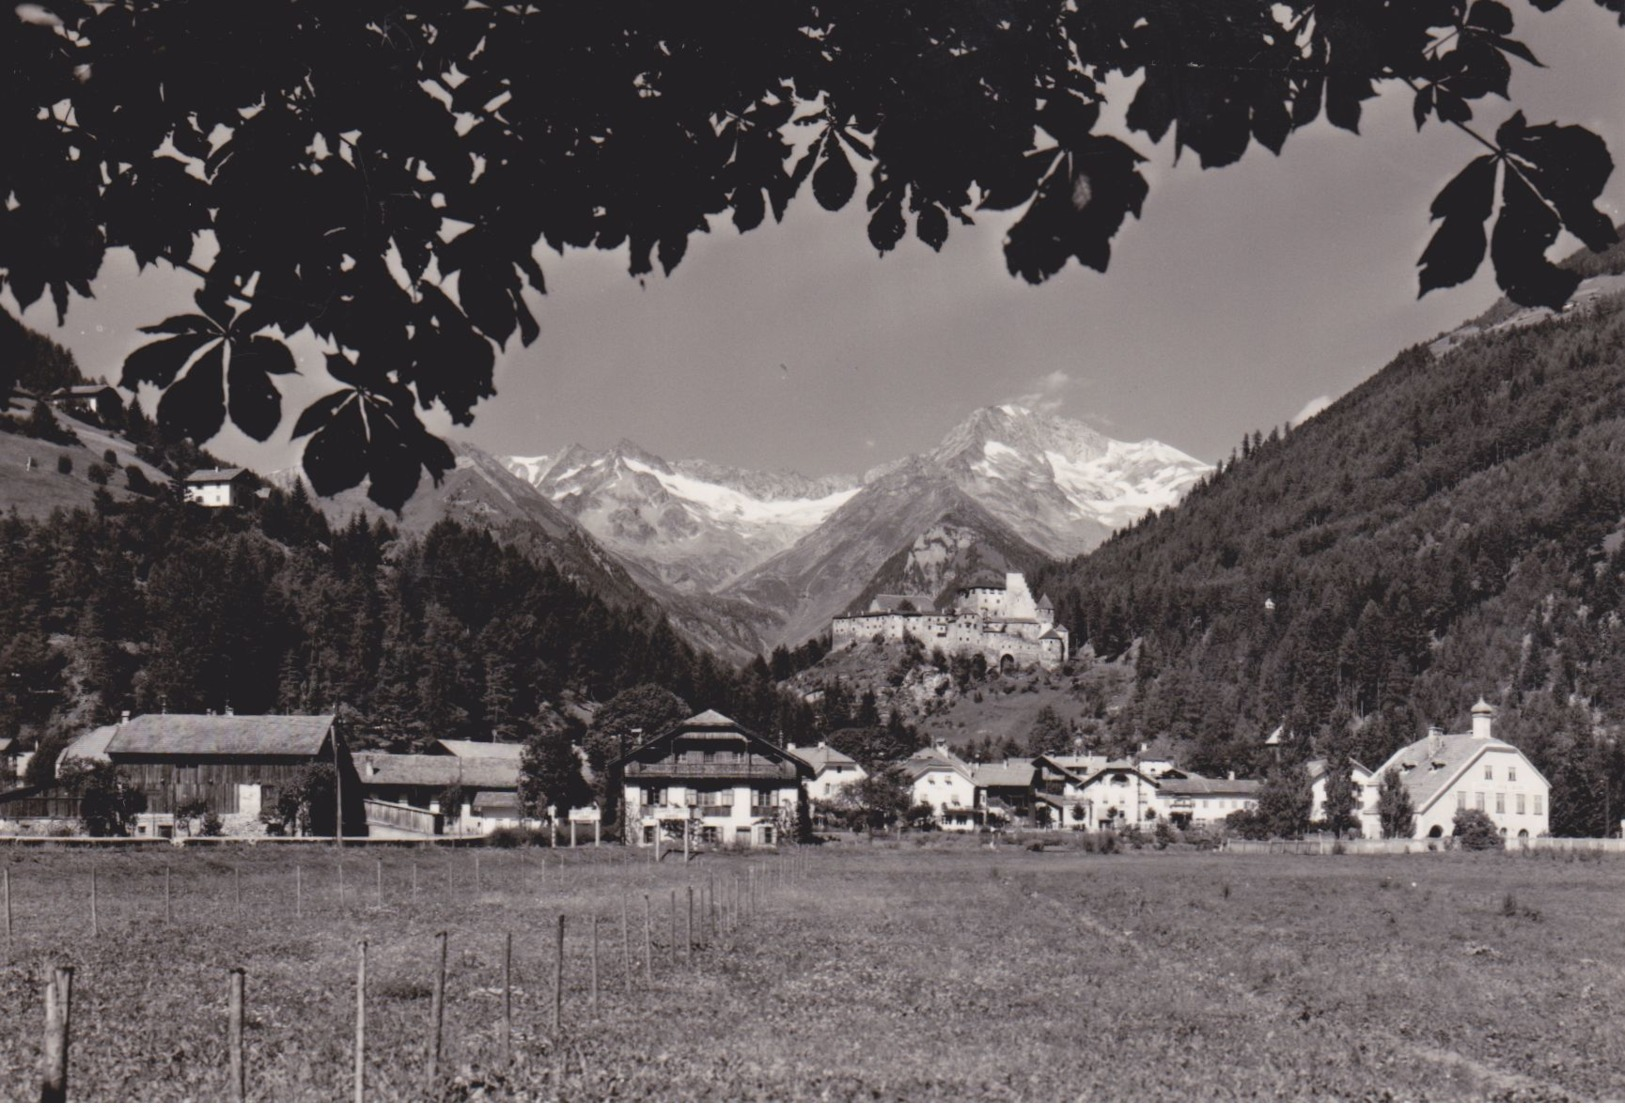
<point x="997" y="618"/>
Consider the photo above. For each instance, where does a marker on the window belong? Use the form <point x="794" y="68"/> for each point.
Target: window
<point x="1500" y="803"/>
<point x="1489" y="772"/>
<point x="1512" y="772"/>
<point x="708" y="756"/>
<point x="1461" y="801"/>
<point x="653" y="796"/>
<point x="1537" y="803"/>
<point x="1478" y="800"/>
<point x="691" y="797"/>
<point x="765" y="797"/>
<point x="1520" y="803"/>
<point x="710" y="834"/>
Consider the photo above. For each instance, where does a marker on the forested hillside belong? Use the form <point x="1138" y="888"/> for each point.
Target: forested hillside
<point x="1451" y="528"/>
<point x="153" y="604"/>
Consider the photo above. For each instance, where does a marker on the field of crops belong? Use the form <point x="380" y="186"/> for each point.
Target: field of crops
<point x="941" y="971"/>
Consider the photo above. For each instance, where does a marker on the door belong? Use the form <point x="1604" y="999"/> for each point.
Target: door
<point x="248" y="800"/>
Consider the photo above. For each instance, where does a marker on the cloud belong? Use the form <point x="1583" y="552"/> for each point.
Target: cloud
<point x="1311" y="409"/>
<point x="1045" y="392"/>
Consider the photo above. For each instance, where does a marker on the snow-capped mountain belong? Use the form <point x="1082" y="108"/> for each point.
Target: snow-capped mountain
<point x="694" y="524"/>
<point x="1007" y="487"/>
<point x="1060" y="484"/>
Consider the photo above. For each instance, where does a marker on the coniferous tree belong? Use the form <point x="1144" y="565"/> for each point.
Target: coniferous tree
<point x="1342" y="797"/>
<point x="1395" y="809"/>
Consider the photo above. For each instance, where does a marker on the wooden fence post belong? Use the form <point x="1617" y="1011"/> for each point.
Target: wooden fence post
<point x="558" y="978"/>
<point x="360" y="1093"/>
<point x="648" y="941"/>
<point x="414" y="881"/>
<point x="673" y="946"/>
<point x="169" y="916"/>
<point x="688" y="928"/>
<point x="593" y="964"/>
<point x="238" y="1084"/>
<point x="507" y="998"/>
<point x="477" y="888"/>
<point x="8" y="911"/>
<point x="437" y="1007"/>
<point x="237" y="887"/>
<point x="58" y="1035"/>
<point x="626" y="944"/>
<point x="341" y="887"/>
<point x="298" y="892"/>
<point x="378" y="883"/>
<point x="95" y="926"/>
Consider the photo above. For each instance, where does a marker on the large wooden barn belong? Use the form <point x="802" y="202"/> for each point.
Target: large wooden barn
<point x="235" y="765"/>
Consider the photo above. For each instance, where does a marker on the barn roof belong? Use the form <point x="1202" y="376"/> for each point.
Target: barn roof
<point x="714" y="724"/>
<point x="462" y="747"/>
<point x="221" y="736"/>
<point x="91" y="746"/>
<point x="1430" y="766"/>
<point x="427" y="770"/>
<point x="495" y="801"/>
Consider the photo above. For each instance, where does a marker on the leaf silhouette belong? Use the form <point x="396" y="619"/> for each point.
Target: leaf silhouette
<point x="835" y="180"/>
<point x="1457" y="247"/>
<point x="195" y="406"/>
<point x="256" y="405"/>
<point x="159" y="362"/>
<point x="1524" y="230"/>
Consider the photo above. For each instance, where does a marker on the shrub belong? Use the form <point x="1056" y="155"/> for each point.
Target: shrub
<point x="211" y="826"/>
<point x="64" y="464"/>
<point x="1476" y="831"/>
<point x="95" y="474"/>
<point x="135" y="479"/>
<point x="1163" y="836"/>
<point x="111" y="458"/>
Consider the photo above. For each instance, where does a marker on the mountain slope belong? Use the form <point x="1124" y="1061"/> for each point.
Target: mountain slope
<point x="1452" y="527"/>
<point x="845" y="558"/>
<point x="690" y="524"/>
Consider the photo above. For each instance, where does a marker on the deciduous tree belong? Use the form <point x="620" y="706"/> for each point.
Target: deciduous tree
<point x="379" y="174"/>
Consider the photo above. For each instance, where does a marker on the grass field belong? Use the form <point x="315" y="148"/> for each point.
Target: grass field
<point x="948" y="972"/>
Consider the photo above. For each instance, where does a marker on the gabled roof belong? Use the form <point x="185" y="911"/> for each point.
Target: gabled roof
<point x="1079" y="765"/>
<point x="213" y="476"/>
<point x="714" y="724"/>
<point x="1045" y="601"/>
<point x="1316" y="768"/>
<point x="1016" y="773"/>
<point x="1117" y="767"/>
<point x="1430" y="766"/>
<point x="822" y="757"/>
<point x="220" y="736"/>
<point x="426" y="770"/>
<point x="498" y="801"/>
<point x="930" y="759"/>
<point x="6" y="744"/>
<point x="1207" y="786"/>
<point x="91" y="746"/>
<point x="462" y="747"/>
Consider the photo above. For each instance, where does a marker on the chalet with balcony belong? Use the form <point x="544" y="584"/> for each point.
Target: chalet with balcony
<point x="714" y="780"/>
<point x="941" y="780"/>
<point x="1192" y="800"/>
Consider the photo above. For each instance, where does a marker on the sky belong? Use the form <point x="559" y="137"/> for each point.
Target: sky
<point x="1245" y="297"/>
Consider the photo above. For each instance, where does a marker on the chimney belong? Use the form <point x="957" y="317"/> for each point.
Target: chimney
<point x="1435" y="740"/>
<point x="123" y="717"/>
<point x="1482" y="714"/>
<point x="1232" y="774"/>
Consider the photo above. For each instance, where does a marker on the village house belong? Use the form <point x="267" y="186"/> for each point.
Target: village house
<point x="1316" y="769"/>
<point x="712" y="779"/>
<point x="1190" y="800"/>
<point x="216" y="487"/>
<point x="427" y="794"/>
<point x="233" y="765"/>
<point x="996" y="617"/>
<point x="1117" y="794"/>
<point x="941" y="780"/>
<point x="832" y="771"/>
<point x="1446" y="773"/>
<point x="100" y="403"/>
<point x="1008" y="787"/>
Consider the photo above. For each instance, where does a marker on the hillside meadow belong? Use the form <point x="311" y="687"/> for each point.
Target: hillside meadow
<point x="932" y="969"/>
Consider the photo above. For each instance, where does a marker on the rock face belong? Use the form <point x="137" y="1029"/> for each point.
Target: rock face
<point x="1005" y="489"/>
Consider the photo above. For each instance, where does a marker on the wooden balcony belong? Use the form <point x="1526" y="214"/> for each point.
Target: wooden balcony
<point x="709" y="770"/>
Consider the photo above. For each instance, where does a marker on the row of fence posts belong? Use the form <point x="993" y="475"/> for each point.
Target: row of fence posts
<point x="742" y="897"/>
<point x="237" y="892"/>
